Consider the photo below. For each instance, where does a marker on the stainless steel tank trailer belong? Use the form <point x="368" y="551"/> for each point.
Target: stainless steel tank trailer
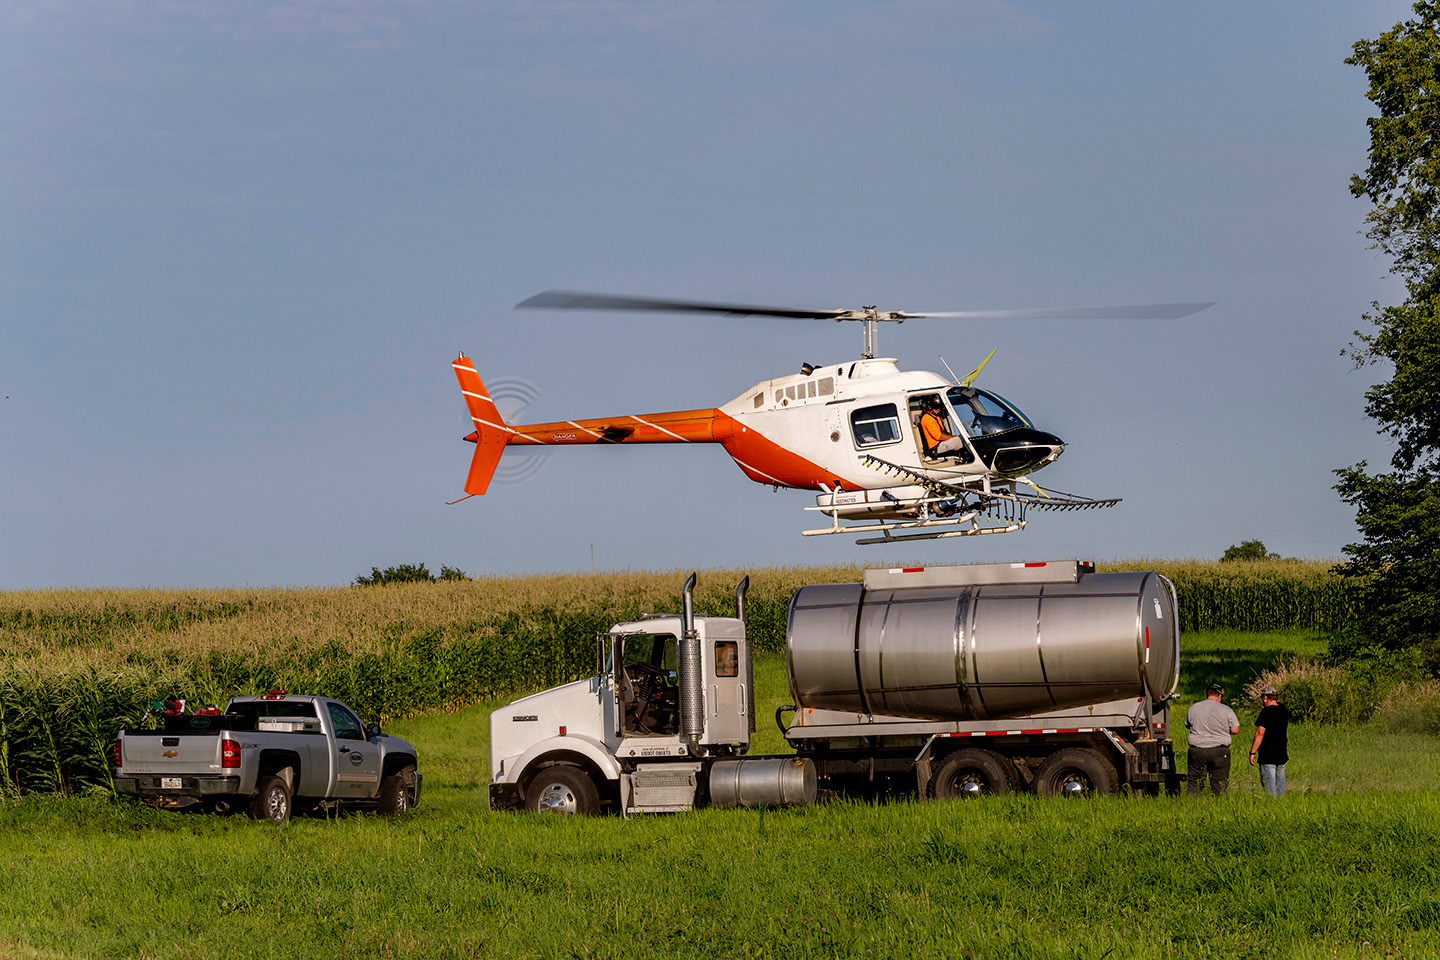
<point x="941" y="682"/>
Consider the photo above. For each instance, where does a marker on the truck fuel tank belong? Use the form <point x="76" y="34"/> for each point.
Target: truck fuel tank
<point x="763" y="782"/>
<point x="982" y="641"/>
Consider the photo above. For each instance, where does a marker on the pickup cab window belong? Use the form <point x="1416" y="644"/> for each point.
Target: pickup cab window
<point x="347" y="726"/>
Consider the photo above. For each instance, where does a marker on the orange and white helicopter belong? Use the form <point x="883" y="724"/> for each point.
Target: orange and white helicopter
<point x="852" y="431"/>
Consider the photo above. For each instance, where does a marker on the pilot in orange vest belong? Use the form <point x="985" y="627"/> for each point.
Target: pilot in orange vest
<point x="939" y="442"/>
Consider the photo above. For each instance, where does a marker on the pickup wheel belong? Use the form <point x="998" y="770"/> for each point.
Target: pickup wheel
<point x="562" y="789"/>
<point x="970" y="773"/>
<point x="271" y="801"/>
<point x="1075" y="772"/>
<point x="396" y="791"/>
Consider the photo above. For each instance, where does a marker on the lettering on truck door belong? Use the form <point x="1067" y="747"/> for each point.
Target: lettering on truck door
<point x="357" y="765"/>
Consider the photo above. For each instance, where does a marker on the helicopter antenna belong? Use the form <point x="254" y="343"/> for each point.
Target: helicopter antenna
<point x="953" y="378"/>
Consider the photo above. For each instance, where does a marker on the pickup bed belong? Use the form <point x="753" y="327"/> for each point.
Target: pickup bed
<point x="271" y="754"/>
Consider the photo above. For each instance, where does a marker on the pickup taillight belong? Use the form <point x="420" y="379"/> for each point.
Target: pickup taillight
<point x="229" y="753"/>
<point x="118" y="761"/>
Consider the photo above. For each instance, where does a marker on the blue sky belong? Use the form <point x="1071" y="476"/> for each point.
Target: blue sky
<point x="242" y="243"/>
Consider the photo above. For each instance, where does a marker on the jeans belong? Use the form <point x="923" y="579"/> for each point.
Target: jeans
<point x="1272" y="778"/>
<point x="1212" y="760"/>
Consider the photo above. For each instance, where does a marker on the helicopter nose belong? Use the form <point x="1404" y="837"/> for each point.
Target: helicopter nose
<point x="1055" y="445"/>
<point x="1022" y="451"/>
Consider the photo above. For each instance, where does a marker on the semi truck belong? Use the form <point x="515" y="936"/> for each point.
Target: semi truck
<point x="942" y="682"/>
<point x="269" y="754"/>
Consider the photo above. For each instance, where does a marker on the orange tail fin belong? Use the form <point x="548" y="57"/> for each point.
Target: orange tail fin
<point x="491" y="434"/>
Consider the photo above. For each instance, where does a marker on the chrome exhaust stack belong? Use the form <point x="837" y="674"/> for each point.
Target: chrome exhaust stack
<point x="740" y="590"/>
<point x="692" y="680"/>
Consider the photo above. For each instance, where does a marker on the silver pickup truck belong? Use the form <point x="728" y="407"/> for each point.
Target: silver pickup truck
<point x="272" y="754"/>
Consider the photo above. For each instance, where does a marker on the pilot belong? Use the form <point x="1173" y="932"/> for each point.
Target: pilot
<point x="939" y="442"/>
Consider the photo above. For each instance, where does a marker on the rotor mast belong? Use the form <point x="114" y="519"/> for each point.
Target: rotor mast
<point x="871" y="319"/>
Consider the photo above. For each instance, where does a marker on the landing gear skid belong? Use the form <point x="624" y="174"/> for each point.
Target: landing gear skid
<point x="924" y="504"/>
<point x="971" y="517"/>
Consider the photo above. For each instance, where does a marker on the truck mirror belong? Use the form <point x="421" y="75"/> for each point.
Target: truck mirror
<point x="372" y="731"/>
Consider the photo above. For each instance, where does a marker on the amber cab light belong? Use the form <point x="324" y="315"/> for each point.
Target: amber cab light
<point x="230" y="753"/>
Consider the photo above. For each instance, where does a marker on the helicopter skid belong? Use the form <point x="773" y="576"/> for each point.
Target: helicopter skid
<point x="905" y="508"/>
<point x="970" y="517"/>
<point x="891" y="538"/>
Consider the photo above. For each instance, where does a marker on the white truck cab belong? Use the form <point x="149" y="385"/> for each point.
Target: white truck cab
<point x="667" y="690"/>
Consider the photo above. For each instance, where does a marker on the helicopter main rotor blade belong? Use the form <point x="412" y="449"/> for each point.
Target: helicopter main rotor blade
<point x="570" y="300"/>
<point x="1138" y="311"/>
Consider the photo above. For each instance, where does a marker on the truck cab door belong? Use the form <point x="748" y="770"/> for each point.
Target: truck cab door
<point x="357" y="760"/>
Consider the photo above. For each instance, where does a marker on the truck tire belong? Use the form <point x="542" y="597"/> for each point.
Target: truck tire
<point x="1075" y="772"/>
<point x="396" y="791"/>
<point x="970" y="773"/>
<point x="272" y="800"/>
<point x="562" y="789"/>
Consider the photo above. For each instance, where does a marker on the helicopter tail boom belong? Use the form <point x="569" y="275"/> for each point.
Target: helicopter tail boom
<point x="677" y="426"/>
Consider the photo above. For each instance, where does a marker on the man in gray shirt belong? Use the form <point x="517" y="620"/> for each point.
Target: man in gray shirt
<point x="1211" y="725"/>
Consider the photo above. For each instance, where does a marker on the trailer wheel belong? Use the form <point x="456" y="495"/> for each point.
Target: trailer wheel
<point x="562" y="789"/>
<point x="1074" y="772"/>
<point x="271" y="801"/>
<point x="970" y="773"/>
<point x="395" y="792"/>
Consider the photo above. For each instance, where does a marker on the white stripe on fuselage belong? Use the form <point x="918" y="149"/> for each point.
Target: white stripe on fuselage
<point x="661" y="429"/>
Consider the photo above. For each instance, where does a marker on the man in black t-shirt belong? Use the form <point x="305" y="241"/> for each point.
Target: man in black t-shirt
<point x="1269" y="748"/>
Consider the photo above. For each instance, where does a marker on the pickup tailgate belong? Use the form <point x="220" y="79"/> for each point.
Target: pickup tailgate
<point x="164" y="754"/>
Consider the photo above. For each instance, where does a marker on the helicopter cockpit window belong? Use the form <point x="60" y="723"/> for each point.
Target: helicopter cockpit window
<point x="873" y="426"/>
<point x="983" y="413"/>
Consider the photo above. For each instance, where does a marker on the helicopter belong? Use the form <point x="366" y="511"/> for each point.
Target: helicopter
<point x="851" y="431"/>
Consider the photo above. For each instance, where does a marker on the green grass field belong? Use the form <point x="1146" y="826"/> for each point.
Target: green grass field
<point x="1344" y="866"/>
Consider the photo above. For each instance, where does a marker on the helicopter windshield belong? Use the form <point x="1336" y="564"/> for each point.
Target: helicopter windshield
<point x="983" y="413"/>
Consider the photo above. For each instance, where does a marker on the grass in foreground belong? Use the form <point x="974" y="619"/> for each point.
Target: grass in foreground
<point x="1340" y="875"/>
<point x="1344" y="866"/>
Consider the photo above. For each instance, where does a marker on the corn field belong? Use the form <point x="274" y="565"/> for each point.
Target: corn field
<point x="78" y="665"/>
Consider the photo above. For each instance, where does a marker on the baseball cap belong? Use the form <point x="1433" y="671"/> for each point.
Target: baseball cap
<point x="1215" y="688"/>
<point x="1269" y="691"/>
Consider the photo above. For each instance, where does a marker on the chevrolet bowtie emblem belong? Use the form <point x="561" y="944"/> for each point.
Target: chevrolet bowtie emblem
<point x="170" y="753"/>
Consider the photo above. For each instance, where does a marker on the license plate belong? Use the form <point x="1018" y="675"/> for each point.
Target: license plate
<point x="169" y="783"/>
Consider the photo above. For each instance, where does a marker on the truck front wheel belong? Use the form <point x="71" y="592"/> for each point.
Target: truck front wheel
<point x="396" y="791"/>
<point x="271" y="801"/>
<point x="1074" y="772"/>
<point x="562" y="789"/>
<point x="970" y="773"/>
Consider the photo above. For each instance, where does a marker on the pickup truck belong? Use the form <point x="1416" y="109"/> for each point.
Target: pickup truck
<point x="272" y="754"/>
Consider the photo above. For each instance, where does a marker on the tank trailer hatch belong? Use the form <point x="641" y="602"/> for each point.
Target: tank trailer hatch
<point x="970" y="574"/>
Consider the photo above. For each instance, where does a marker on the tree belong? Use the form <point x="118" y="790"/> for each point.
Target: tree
<point x="1397" y="565"/>
<point x="408" y="573"/>
<point x="1249" y="550"/>
<point x="404" y="573"/>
